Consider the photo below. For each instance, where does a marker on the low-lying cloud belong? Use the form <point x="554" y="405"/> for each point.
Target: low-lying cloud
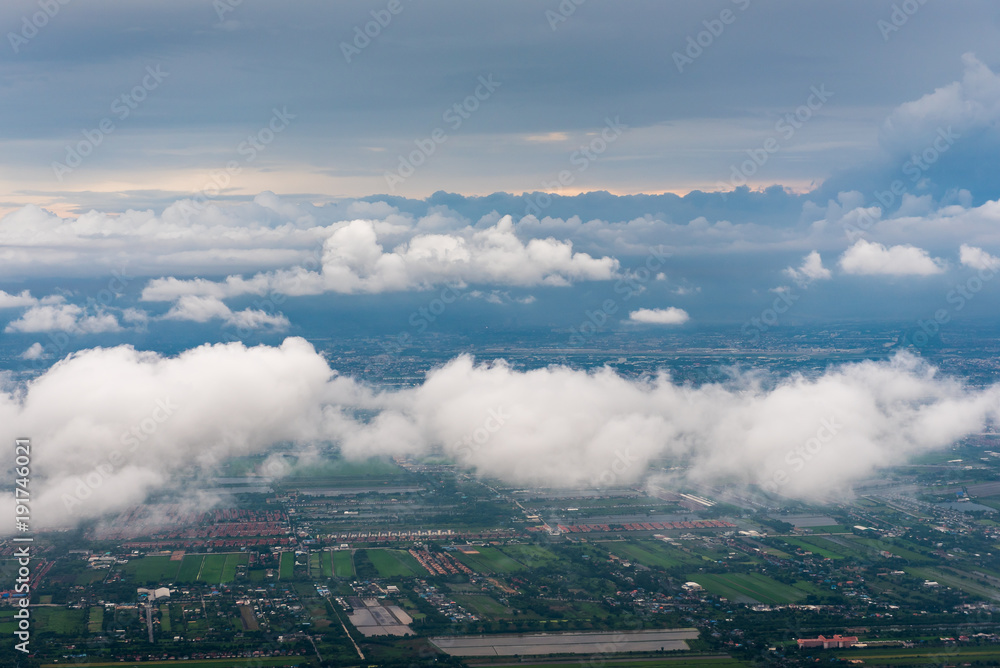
<point x="660" y="316"/>
<point x="113" y="425"/>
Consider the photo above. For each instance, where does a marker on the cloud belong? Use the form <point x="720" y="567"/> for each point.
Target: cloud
<point x="117" y="423"/>
<point x="64" y="318"/>
<point x="354" y="261"/>
<point x="203" y="309"/>
<point x="977" y="258"/>
<point x="135" y="316"/>
<point x="967" y="107"/>
<point x="120" y="423"/>
<point x="8" y="300"/>
<point x="660" y="316"/>
<point x="345" y="247"/>
<point x="812" y="269"/>
<point x="868" y="258"/>
<point x="35" y="351"/>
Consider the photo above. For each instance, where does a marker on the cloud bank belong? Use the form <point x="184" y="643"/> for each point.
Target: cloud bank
<point x="354" y="261"/>
<point x="118" y="423"/>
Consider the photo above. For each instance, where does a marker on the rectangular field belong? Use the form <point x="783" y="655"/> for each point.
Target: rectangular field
<point x="165" y="618"/>
<point x="824" y="549"/>
<point x="343" y="564"/>
<point x="95" y="622"/>
<point x="875" y="544"/>
<point x="482" y="605"/>
<point x="211" y="569"/>
<point x="923" y="657"/>
<point x="190" y="567"/>
<point x="489" y="560"/>
<point x="61" y="621"/>
<point x="531" y="556"/>
<point x="327" y="564"/>
<point x="286" y="571"/>
<point x="748" y="587"/>
<point x="650" y="554"/>
<point x="394" y="563"/>
<point x="152" y="570"/>
<point x="232" y="562"/>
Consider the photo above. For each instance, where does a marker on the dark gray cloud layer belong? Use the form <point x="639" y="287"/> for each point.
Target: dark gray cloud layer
<point x="230" y="64"/>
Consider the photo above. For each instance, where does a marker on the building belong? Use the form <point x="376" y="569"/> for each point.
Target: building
<point x="154" y="594"/>
<point x="836" y="642"/>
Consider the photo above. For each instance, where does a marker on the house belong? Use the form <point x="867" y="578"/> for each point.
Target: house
<point x="836" y="642"/>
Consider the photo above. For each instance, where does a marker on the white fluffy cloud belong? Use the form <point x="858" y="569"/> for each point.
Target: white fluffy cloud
<point x="812" y="269"/>
<point x="203" y="309"/>
<point x="8" y="300"/>
<point x="35" y="351"/>
<point x="64" y="318"/>
<point x="354" y="261"/>
<point x="118" y="423"/>
<point x="868" y="258"/>
<point x="660" y="316"/>
<point x="977" y="258"/>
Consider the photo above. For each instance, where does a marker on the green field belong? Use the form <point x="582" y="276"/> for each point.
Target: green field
<point x="531" y="556"/>
<point x="61" y="621"/>
<point x="484" y="606"/>
<point x="211" y="570"/>
<point x="190" y="566"/>
<point x="89" y="577"/>
<point x="940" y="656"/>
<point x="152" y="570"/>
<point x="875" y="544"/>
<point x="286" y="571"/>
<point x="165" y="618"/>
<point x="674" y="661"/>
<point x="343" y="564"/>
<point x="650" y="554"/>
<point x="342" y="473"/>
<point x="748" y="587"/>
<point x="831" y="528"/>
<point x="394" y="563"/>
<point x="327" y="564"/>
<point x="315" y="569"/>
<point x="489" y="560"/>
<point x="95" y="621"/>
<point x="955" y="581"/>
<point x="824" y="549"/>
<point x="232" y="561"/>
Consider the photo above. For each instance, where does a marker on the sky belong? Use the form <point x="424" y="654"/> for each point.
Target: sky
<point x="556" y="78"/>
<point x="765" y="147"/>
<point x="227" y="181"/>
